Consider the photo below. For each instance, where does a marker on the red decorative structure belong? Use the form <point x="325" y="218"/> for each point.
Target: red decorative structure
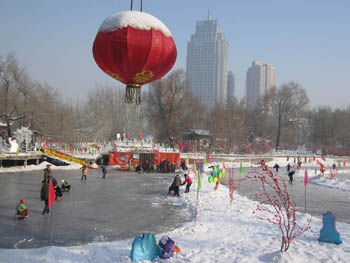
<point x="134" y="48"/>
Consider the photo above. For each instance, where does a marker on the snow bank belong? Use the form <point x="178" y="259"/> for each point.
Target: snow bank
<point x="41" y="166"/>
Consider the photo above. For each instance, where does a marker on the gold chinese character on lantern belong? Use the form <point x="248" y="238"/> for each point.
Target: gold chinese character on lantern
<point x="143" y="76"/>
<point x="114" y="75"/>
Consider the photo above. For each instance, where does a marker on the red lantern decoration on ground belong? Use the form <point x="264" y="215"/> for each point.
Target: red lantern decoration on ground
<point x="134" y="48"/>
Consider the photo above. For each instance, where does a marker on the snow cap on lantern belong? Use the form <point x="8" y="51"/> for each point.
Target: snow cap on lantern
<point x="134" y="19"/>
<point x="134" y="48"/>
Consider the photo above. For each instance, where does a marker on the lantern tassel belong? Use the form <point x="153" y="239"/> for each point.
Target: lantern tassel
<point x="133" y="94"/>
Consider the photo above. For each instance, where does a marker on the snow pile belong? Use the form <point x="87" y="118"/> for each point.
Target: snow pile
<point x="135" y="19"/>
<point x="338" y="184"/>
<point x="39" y="167"/>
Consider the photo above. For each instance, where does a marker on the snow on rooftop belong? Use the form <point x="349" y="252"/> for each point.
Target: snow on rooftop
<point x="135" y="19"/>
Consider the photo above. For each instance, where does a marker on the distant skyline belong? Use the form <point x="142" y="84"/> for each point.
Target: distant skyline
<point x="306" y="41"/>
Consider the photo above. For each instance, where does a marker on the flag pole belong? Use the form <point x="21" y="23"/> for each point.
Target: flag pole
<point x="199" y="181"/>
<point x="51" y="226"/>
<point x="306" y="182"/>
<point x="51" y="199"/>
<point x="197" y="201"/>
<point x="305" y="198"/>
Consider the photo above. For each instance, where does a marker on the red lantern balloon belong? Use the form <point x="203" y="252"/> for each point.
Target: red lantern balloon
<point x="134" y="48"/>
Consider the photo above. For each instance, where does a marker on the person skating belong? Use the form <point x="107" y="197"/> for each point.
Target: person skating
<point x="290" y="174"/>
<point x="188" y="180"/>
<point x="288" y="167"/>
<point x="276" y="167"/>
<point x="21" y="210"/>
<point x="65" y="186"/>
<point x="104" y="171"/>
<point x="84" y="171"/>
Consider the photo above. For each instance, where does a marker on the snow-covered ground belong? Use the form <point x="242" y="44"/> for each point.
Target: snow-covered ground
<point x="223" y="232"/>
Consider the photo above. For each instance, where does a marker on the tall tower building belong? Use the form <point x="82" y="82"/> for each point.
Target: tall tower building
<point x="230" y="86"/>
<point x="260" y="78"/>
<point x="207" y="63"/>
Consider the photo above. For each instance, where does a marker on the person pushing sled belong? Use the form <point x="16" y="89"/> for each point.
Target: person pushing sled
<point x="175" y="186"/>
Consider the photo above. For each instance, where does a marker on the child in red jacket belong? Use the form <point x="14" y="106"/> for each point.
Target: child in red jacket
<point x="188" y="180"/>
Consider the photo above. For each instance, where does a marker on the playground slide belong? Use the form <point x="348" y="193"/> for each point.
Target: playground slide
<point x="63" y="156"/>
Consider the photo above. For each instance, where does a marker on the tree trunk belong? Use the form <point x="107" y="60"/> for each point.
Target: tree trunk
<point x="278" y="138"/>
<point x="9" y="132"/>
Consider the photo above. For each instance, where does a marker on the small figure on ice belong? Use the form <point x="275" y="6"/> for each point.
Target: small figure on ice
<point x="288" y="167"/>
<point x="84" y="171"/>
<point x="58" y="190"/>
<point x="65" y="186"/>
<point x="104" y="171"/>
<point x="290" y="174"/>
<point x="21" y="210"/>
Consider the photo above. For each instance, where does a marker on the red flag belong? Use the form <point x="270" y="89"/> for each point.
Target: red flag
<point x="306" y="178"/>
<point x="140" y="134"/>
<point x="52" y="195"/>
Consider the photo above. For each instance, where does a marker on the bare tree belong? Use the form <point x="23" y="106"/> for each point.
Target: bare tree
<point x="342" y="119"/>
<point x="26" y="103"/>
<point x="169" y="107"/>
<point x="289" y="103"/>
<point x="10" y="110"/>
<point x="329" y="128"/>
<point x="258" y="125"/>
<point x="226" y="124"/>
<point x="104" y="113"/>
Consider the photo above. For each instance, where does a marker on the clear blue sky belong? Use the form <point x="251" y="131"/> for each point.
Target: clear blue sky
<point x="307" y="41"/>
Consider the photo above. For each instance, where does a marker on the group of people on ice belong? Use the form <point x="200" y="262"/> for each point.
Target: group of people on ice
<point x="290" y="170"/>
<point x="22" y="209"/>
<point x="174" y="188"/>
<point x="45" y="188"/>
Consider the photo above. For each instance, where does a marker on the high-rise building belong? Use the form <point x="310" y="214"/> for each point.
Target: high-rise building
<point x="207" y="63"/>
<point x="230" y="86"/>
<point x="260" y="78"/>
